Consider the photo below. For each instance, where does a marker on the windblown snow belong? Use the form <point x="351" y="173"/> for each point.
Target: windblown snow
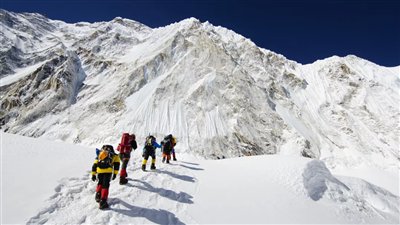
<point x="323" y="137"/>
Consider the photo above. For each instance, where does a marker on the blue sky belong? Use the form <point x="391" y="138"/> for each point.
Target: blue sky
<point x="303" y="31"/>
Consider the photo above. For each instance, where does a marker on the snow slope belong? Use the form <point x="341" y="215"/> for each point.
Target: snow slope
<point x="259" y="189"/>
<point x="31" y="169"/>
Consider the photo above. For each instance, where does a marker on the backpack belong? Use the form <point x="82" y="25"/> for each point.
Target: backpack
<point x="168" y="137"/>
<point x="125" y="145"/>
<point x="173" y="141"/>
<point x="105" y="156"/>
<point x="167" y="144"/>
<point x="148" y="145"/>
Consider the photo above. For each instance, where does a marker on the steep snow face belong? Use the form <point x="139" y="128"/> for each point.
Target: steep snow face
<point x="351" y="105"/>
<point x="219" y="93"/>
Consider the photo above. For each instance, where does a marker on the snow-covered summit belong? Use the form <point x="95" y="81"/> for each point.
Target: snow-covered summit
<point x="218" y="92"/>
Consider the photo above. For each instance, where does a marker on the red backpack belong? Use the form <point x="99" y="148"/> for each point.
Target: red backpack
<point x="125" y="145"/>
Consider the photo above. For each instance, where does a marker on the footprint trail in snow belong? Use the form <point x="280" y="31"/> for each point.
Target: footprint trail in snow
<point x="159" y="196"/>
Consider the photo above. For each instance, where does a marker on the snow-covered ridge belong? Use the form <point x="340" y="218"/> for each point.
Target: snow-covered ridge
<point x="219" y="93"/>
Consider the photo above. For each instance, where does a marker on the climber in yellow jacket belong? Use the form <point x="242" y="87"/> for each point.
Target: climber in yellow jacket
<point x="106" y="167"/>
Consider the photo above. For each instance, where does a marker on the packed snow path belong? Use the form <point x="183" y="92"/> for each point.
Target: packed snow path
<point x="149" y="197"/>
<point x="263" y="189"/>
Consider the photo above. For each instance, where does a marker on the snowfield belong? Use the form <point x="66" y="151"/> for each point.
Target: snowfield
<point x="49" y="182"/>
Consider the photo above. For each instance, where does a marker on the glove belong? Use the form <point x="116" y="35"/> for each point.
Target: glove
<point x="114" y="176"/>
<point x="93" y="177"/>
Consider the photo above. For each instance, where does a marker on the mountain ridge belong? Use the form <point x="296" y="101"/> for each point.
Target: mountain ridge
<point x="219" y="93"/>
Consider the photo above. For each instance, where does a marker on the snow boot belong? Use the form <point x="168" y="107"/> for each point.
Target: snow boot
<point x="103" y="204"/>
<point x="153" y="167"/>
<point x="144" y="167"/>
<point x="98" y="193"/>
<point x="173" y="156"/>
<point x="97" y="196"/>
<point x="104" y="196"/>
<point x="168" y="161"/>
<point x="123" y="180"/>
<point x="163" y="159"/>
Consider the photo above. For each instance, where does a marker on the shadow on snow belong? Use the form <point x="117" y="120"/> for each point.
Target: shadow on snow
<point x="158" y="216"/>
<point x="195" y="164"/>
<point x="179" y="197"/>
<point x="177" y="176"/>
<point x="190" y="167"/>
